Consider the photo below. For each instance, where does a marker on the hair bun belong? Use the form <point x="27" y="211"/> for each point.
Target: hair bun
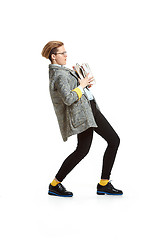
<point x="49" y="46"/>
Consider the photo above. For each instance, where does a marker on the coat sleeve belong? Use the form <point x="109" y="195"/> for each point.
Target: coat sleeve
<point x="68" y="95"/>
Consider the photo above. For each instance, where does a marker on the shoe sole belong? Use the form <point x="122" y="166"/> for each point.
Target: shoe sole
<point x="103" y="193"/>
<point x="55" y="194"/>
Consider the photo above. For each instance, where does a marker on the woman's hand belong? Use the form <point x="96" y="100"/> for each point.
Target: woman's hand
<point x="86" y="81"/>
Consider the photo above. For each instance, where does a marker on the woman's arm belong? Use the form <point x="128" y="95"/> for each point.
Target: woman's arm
<point x="68" y="95"/>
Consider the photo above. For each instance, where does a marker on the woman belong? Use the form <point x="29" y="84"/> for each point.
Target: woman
<point x="78" y="113"/>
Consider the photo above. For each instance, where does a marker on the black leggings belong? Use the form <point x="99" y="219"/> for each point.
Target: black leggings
<point x="106" y="131"/>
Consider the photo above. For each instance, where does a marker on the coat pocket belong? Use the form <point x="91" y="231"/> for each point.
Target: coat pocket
<point x="77" y="114"/>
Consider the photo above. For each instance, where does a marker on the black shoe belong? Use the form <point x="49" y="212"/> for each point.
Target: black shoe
<point x="59" y="190"/>
<point x="108" y="189"/>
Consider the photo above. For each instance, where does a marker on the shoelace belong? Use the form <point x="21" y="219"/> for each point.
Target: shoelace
<point x="110" y="184"/>
<point x="62" y="187"/>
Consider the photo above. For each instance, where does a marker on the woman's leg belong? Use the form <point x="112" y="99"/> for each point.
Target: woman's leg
<point x="106" y="131"/>
<point x="83" y="146"/>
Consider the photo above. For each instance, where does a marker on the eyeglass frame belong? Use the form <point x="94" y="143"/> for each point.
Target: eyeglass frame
<point x="52" y="52"/>
<point x="63" y="53"/>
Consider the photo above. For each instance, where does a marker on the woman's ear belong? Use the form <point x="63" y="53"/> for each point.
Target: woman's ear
<point x="53" y="57"/>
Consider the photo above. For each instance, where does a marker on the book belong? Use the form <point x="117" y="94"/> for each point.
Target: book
<point x="82" y="70"/>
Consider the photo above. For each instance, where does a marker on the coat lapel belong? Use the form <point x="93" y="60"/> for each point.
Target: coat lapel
<point x="67" y="69"/>
<point x="71" y="71"/>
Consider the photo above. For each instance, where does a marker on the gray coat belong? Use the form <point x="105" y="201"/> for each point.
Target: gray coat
<point x="74" y="116"/>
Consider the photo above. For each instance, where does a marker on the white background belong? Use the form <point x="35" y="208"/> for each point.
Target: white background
<point x="120" y="40"/>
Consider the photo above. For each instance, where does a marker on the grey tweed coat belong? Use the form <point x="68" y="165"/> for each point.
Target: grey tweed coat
<point x="74" y="116"/>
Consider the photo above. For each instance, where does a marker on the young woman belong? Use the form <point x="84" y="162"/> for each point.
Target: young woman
<point x="78" y="113"/>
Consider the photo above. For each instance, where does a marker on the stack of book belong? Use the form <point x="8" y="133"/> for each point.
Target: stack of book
<point x="82" y="70"/>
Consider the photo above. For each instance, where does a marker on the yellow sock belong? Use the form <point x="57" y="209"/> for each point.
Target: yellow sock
<point x="104" y="182"/>
<point x="54" y="182"/>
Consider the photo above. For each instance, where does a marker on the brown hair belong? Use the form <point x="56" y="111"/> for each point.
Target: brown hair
<point x="51" y="48"/>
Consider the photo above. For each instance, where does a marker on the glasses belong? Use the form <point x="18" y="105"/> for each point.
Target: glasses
<point x="63" y="53"/>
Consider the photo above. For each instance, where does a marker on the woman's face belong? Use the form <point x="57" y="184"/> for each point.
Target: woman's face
<point x="60" y="57"/>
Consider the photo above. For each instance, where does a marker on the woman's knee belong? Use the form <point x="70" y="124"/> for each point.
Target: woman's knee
<point x="82" y="152"/>
<point x="114" y="142"/>
<point x="118" y="140"/>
